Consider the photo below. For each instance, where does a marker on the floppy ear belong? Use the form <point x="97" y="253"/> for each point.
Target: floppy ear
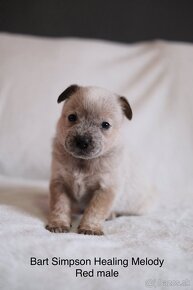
<point x="67" y="93"/>
<point x="126" y="107"/>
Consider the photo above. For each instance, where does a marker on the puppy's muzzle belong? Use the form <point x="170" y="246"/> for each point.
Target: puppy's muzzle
<point x="83" y="145"/>
<point x="83" y="142"/>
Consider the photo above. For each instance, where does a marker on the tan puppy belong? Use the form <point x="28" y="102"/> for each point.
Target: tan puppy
<point x="90" y="162"/>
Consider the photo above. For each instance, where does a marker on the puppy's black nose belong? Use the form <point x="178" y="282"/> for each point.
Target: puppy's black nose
<point x="83" y="142"/>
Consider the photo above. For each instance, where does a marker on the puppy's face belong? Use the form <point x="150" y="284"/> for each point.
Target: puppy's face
<point x="91" y="120"/>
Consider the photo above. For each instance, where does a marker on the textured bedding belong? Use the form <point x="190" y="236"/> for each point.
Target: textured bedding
<point x="156" y="77"/>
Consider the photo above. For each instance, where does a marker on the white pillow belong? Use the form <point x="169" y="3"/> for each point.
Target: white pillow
<point x="156" y="77"/>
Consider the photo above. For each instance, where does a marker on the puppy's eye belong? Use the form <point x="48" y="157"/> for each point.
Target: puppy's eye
<point x="72" y="117"/>
<point x="105" y="125"/>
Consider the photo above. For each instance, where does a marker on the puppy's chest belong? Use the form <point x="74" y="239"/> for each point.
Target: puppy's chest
<point x="82" y="185"/>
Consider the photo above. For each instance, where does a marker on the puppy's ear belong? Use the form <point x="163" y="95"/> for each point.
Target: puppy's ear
<point x="126" y="107"/>
<point x="67" y="93"/>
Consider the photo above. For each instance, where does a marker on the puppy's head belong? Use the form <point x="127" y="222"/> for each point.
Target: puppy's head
<point x="91" y="120"/>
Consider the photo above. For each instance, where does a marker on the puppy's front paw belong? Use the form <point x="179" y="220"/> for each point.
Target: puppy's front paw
<point x="87" y="230"/>
<point x="57" y="227"/>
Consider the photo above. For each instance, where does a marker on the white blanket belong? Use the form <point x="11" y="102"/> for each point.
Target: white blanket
<point x="157" y="79"/>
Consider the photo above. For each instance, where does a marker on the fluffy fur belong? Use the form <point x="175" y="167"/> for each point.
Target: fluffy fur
<point x="98" y="178"/>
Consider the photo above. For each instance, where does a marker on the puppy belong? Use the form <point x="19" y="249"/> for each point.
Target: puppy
<point x="91" y="167"/>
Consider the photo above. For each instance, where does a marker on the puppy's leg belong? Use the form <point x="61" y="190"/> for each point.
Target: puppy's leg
<point x="112" y="216"/>
<point x="60" y="209"/>
<point x="97" y="211"/>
